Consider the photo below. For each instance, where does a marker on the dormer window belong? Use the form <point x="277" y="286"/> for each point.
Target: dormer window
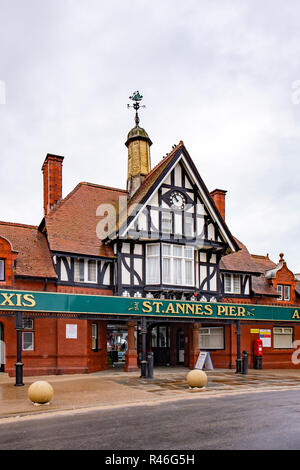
<point x="85" y="270"/>
<point x="284" y="291"/>
<point x="232" y="283"/>
<point x="2" y="270"/>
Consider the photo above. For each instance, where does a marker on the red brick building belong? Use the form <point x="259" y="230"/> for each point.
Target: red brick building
<point x="163" y="237"/>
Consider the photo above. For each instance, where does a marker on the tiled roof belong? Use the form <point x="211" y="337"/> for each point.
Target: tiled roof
<point x="263" y="262"/>
<point x="260" y="286"/>
<point x="34" y="258"/>
<point x="71" y="225"/>
<point x="241" y="261"/>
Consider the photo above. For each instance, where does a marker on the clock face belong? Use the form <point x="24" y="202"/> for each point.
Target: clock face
<point x="177" y="200"/>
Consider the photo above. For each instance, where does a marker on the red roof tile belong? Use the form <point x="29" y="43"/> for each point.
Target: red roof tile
<point x="71" y="224"/>
<point x="240" y="261"/>
<point x="34" y="258"/>
<point x="263" y="262"/>
<point x="260" y="286"/>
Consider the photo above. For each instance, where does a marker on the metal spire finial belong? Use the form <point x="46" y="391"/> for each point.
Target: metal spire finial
<point x="136" y="98"/>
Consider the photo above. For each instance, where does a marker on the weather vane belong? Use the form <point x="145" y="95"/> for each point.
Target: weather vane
<point x="136" y="98"/>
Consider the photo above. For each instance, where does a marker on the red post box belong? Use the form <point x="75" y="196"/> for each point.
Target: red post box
<point x="258" y="348"/>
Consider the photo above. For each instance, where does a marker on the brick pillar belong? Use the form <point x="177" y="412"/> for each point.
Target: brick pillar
<point x="194" y="349"/>
<point x="52" y="171"/>
<point x="131" y="353"/>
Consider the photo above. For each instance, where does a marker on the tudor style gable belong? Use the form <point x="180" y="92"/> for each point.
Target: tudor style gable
<point x="172" y="236"/>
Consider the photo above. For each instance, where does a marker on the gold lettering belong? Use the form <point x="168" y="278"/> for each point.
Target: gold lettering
<point x="221" y="310"/>
<point x="241" y="312"/>
<point x="231" y="310"/>
<point x="19" y="297"/>
<point x="209" y="310"/>
<point x="7" y="300"/>
<point x="296" y="314"/>
<point x="190" y="307"/>
<point x="29" y="298"/>
<point x="170" y="308"/>
<point x="147" y="305"/>
<point x="180" y="307"/>
<point x="199" y="309"/>
<point x="157" y="306"/>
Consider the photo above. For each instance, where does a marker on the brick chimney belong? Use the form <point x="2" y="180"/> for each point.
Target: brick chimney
<point x="218" y="196"/>
<point x="52" y="171"/>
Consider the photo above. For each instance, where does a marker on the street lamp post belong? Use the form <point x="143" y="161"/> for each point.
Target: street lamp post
<point x="19" y="364"/>
<point x="238" y="348"/>
<point x="144" y="346"/>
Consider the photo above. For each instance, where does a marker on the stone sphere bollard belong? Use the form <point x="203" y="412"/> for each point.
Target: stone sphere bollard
<point x="40" y="392"/>
<point x="196" y="378"/>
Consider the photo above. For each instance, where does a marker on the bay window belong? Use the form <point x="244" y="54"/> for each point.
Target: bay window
<point x="153" y="264"/>
<point x="177" y="264"/>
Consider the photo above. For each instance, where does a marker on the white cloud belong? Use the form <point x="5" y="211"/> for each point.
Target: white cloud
<point x="217" y="75"/>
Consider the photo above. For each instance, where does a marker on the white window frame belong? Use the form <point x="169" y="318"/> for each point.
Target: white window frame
<point x="2" y="269"/>
<point x="278" y="331"/>
<point x="281" y="289"/>
<point x="212" y="331"/>
<point x="232" y="289"/>
<point x="182" y="257"/>
<point x="94" y="336"/>
<point x="86" y="274"/>
<point x="31" y="348"/>
<point x="155" y="256"/>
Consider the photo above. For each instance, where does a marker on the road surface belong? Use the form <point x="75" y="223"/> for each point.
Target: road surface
<point x="248" y="421"/>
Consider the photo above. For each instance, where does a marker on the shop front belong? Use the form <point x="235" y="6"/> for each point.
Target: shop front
<point x="90" y="328"/>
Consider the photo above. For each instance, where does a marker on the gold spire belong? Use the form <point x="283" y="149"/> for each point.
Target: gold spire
<point x="138" y="144"/>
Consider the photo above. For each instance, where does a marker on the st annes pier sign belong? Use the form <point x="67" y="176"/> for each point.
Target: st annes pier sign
<point x="48" y="302"/>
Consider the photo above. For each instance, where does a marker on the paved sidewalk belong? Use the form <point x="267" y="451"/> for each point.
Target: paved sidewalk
<point x="75" y="393"/>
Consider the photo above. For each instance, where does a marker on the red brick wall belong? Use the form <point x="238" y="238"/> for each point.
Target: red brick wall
<point x="9" y="257"/>
<point x="52" y="171"/>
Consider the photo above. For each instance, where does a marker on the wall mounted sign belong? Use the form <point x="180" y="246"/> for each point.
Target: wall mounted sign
<point x="51" y="302"/>
<point x="265" y="336"/>
<point x="71" y="331"/>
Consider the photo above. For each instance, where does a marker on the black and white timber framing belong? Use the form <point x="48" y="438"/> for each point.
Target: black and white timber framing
<point x="197" y="225"/>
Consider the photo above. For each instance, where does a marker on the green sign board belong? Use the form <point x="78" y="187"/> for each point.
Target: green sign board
<point x="27" y="301"/>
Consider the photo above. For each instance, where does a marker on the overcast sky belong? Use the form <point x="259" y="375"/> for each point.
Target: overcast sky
<point x="220" y="75"/>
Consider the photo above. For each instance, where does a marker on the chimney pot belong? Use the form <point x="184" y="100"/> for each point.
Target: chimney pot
<point x="218" y="196"/>
<point x="52" y="175"/>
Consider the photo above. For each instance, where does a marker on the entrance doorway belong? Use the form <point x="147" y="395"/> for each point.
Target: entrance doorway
<point x="2" y="350"/>
<point x="117" y="343"/>
<point x="180" y="346"/>
<point x="161" y="345"/>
